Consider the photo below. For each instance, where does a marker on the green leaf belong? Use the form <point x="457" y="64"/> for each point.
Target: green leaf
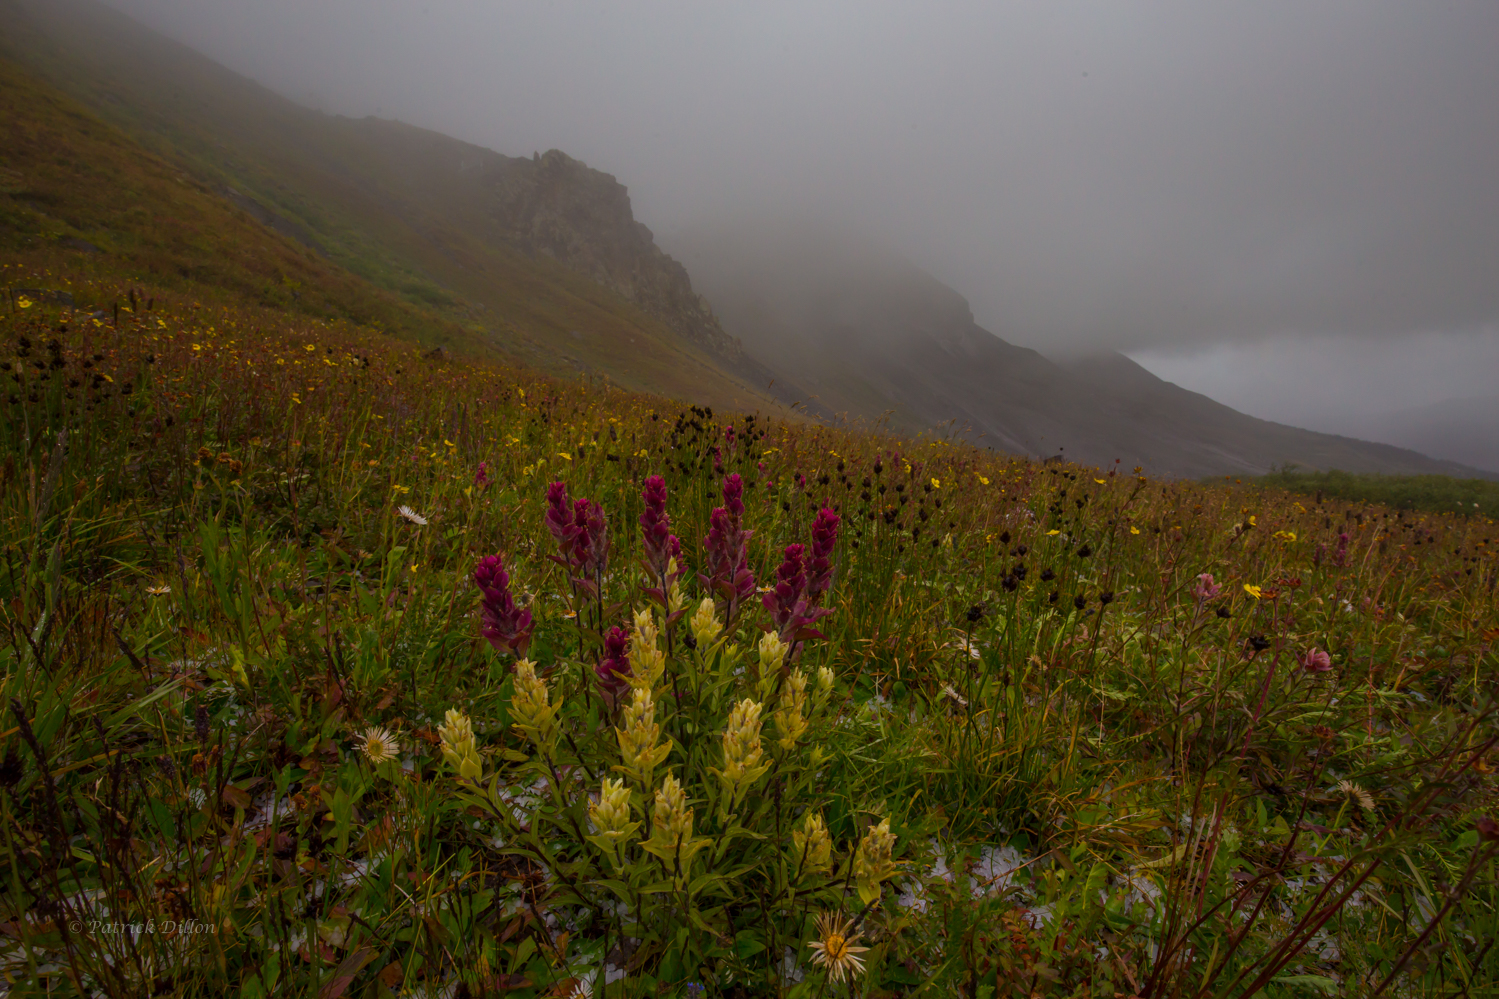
<point x="1319" y="982"/>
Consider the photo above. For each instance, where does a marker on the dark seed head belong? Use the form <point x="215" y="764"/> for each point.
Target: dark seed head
<point x="1106" y="597"/>
<point x="975" y="613"/>
<point x="1223" y="612"/>
<point x="10" y="769"/>
<point x="1079" y="601"/>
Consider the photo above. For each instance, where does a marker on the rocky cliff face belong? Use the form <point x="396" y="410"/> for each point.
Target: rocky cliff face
<point x="557" y="206"/>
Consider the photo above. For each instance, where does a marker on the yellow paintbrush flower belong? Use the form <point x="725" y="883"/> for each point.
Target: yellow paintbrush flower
<point x="458" y="745"/>
<point x="637" y="740"/>
<point x="791" y="719"/>
<point x="705" y="626"/>
<point x="872" y="864"/>
<point x="812" y="848"/>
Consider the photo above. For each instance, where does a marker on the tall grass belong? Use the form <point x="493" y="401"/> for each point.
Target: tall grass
<point x="1104" y="773"/>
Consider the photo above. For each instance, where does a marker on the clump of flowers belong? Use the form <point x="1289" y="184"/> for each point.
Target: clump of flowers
<point x="772" y="654"/>
<point x="648" y="662"/>
<point x="801" y="582"/>
<point x="671" y="836"/>
<point x="1206" y="589"/>
<point x="506" y="626"/>
<point x="873" y="864"/>
<point x="458" y="745"/>
<point x="704" y="624"/>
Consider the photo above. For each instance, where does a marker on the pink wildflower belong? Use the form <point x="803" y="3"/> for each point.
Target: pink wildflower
<point x="1316" y="661"/>
<point x="1206" y="589"/>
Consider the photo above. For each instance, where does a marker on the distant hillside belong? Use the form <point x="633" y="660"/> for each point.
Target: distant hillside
<point x="873" y="336"/>
<point x="539" y="257"/>
<point x="78" y="196"/>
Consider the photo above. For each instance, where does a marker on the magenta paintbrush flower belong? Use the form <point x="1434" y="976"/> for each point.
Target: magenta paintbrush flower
<point x="661" y="546"/>
<point x="504" y="625"/>
<point x="481" y="476"/>
<point x="581" y="533"/>
<point x="559" y="519"/>
<point x="824" y="539"/>
<point x="789" y="591"/>
<point x="726" y="549"/>
<point x="614" y="667"/>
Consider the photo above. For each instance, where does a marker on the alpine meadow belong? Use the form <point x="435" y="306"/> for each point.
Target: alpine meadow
<point x="353" y="648"/>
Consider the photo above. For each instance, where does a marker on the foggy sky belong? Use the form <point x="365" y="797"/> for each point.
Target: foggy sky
<point x="1165" y="178"/>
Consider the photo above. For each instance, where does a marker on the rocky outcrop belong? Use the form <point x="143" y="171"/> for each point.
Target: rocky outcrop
<point x="556" y="206"/>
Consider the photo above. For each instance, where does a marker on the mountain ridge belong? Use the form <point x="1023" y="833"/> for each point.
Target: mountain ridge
<point x="538" y="257"/>
<point x="927" y="363"/>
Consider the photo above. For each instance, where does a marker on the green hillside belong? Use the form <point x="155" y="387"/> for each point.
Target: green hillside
<point x="366" y="195"/>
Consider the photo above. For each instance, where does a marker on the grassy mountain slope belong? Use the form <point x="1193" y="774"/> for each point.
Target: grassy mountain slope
<point x="409" y="210"/>
<point x="82" y="200"/>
